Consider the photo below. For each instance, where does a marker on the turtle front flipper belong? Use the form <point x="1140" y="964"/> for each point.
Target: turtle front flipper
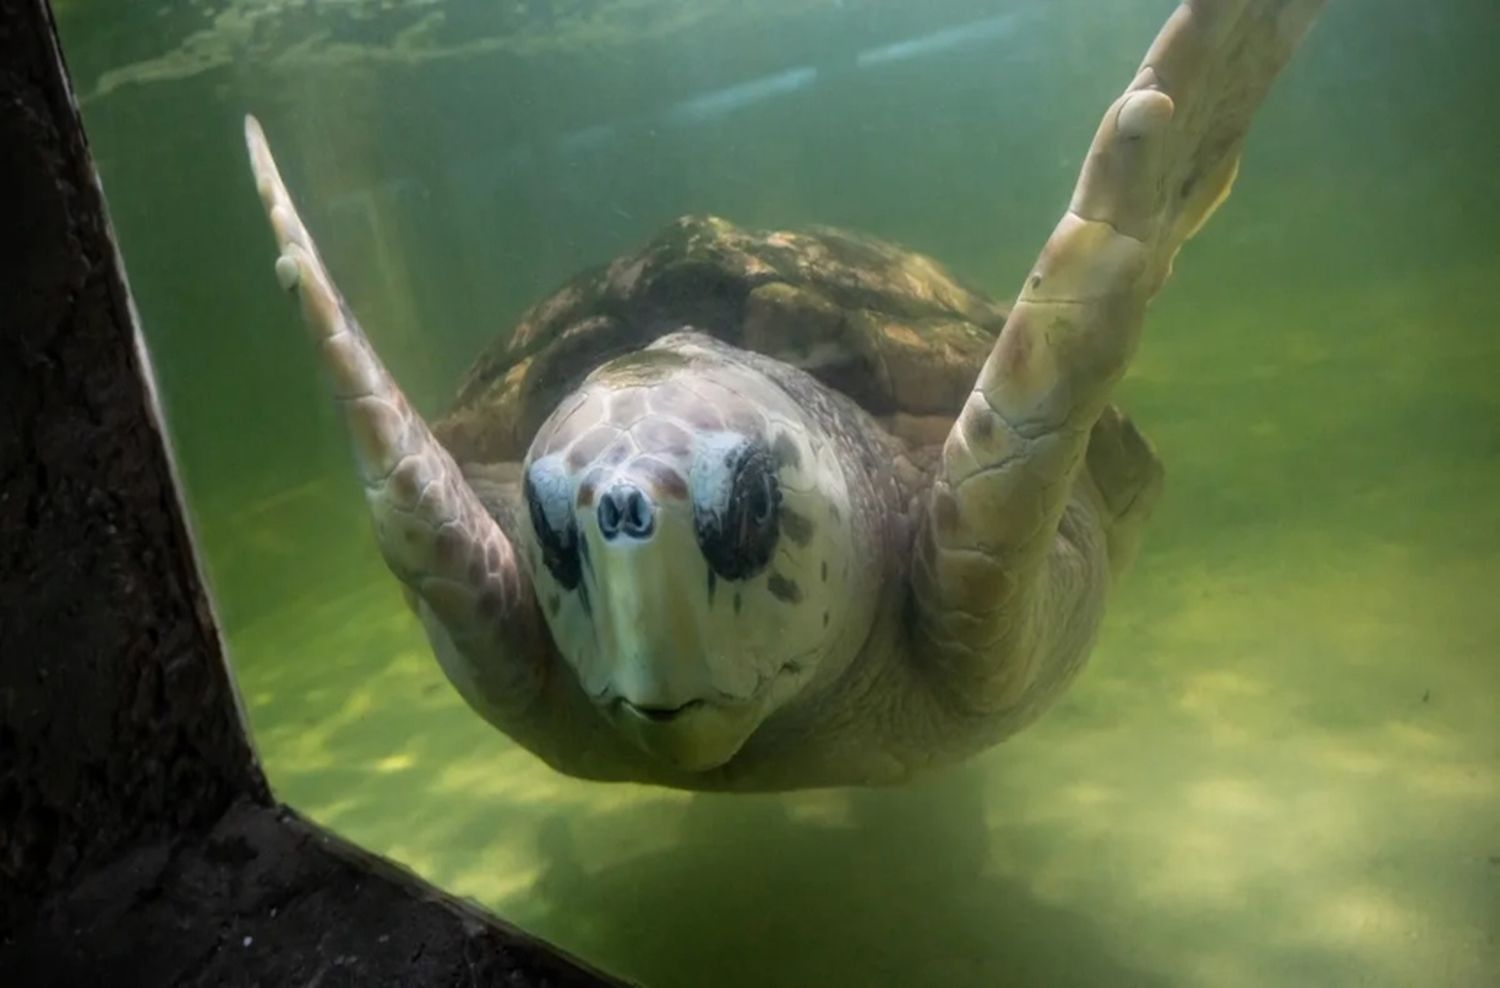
<point x="1013" y="559"/>
<point x="461" y="572"/>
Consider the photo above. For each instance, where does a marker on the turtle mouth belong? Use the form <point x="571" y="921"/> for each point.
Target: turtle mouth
<point x="698" y="734"/>
<point x="662" y="714"/>
<point x="657" y="714"/>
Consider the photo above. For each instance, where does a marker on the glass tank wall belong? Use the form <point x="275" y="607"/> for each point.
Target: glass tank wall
<point x="1282" y="765"/>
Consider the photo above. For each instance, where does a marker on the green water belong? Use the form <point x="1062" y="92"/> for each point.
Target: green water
<point x="1282" y="766"/>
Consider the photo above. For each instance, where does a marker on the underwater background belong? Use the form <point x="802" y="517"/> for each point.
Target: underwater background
<point x="1282" y="765"/>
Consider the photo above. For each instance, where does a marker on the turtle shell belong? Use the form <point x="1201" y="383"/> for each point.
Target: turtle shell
<point x="886" y="326"/>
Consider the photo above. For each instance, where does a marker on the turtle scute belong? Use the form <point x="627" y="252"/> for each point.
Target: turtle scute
<point x="888" y="327"/>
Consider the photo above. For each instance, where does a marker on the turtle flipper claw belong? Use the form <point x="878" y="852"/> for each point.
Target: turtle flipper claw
<point x="434" y="532"/>
<point x="354" y="370"/>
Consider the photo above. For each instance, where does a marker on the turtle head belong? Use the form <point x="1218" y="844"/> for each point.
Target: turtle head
<point x="690" y="538"/>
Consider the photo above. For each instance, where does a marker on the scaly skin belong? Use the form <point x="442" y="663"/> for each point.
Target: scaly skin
<point x="1026" y="524"/>
<point x="459" y="569"/>
<point x="1002" y="590"/>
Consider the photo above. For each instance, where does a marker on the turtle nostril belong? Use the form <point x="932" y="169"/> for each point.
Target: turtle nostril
<point x="624" y="509"/>
<point x="640" y="520"/>
<point x="609" y="516"/>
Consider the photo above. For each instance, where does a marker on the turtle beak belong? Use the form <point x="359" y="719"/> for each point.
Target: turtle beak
<point x="664" y="701"/>
<point x="695" y="737"/>
<point x="647" y="621"/>
<point x="660" y="690"/>
<point x="661" y="672"/>
<point x="659" y="715"/>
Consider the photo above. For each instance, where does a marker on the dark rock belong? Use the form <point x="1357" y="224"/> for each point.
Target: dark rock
<point x="139" y="843"/>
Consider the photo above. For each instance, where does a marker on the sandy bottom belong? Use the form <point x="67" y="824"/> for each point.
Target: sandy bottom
<point x="1282" y="767"/>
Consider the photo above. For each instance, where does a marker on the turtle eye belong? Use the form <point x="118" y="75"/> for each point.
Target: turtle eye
<point x="552" y="520"/>
<point x="737" y="528"/>
<point x="762" y="498"/>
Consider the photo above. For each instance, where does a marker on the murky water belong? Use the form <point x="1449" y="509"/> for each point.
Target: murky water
<point x="1282" y="766"/>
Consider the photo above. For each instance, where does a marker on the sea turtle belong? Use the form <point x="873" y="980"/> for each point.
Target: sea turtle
<point x="772" y="510"/>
